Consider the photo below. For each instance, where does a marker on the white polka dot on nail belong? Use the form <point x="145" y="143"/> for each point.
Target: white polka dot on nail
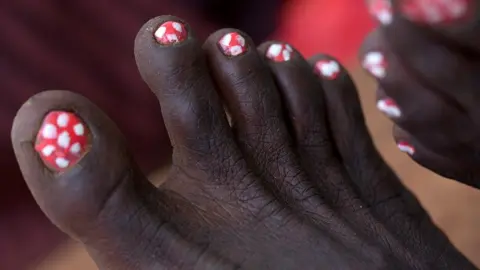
<point x="389" y="107"/>
<point x="236" y="50"/>
<point x="406" y="148"/>
<point x="375" y="63"/>
<point x="76" y="148"/>
<point x="286" y="55"/>
<point x="382" y="10"/>
<point x="48" y="150"/>
<point x="62" y="120"/>
<point x="79" y="129"/>
<point x="328" y="68"/>
<point x="64" y="139"/>
<point x="274" y="50"/>
<point x="385" y="17"/>
<point x="374" y="57"/>
<point x="172" y="37"/>
<point x="62" y="162"/>
<point x="226" y="40"/>
<point x="160" y="32"/>
<point x="49" y="131"/>
<point x="177" y="26"/>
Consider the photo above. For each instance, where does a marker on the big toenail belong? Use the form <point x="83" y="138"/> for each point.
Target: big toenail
<point x="435" y="11"/>
<point x="328" y="69"/>
<point x="62" y="140"/>
<point x="389" y="107"/>
<point x="381" y="10"/>
<point x="233" y="44"/>
<point x="375" y="63"/>
<point x="406" y="147"/>
<point x="170" y="33"/>
<point x="279" y="52"/>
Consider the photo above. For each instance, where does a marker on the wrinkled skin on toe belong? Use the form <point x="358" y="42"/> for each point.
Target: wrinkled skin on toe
<point x="425" y="59"/>
<point x="290" y="180"/>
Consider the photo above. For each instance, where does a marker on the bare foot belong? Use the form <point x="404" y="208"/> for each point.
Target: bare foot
<point x="425" y="58"/>
<point x="293" y="182"/>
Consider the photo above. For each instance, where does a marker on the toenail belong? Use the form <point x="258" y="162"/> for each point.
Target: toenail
<point x="389" y="107"/>
<point x="328" y="69"/>
<point x="435" y="11"/>
<point x="381" y="10"/>
<point x="406" y="147"/>
<point x="375" y="63"/>
<point x="279" y="52"/>
<point x="233" y="44"/>
<point x="170" y="33"/>
<point x="62" y="140"/>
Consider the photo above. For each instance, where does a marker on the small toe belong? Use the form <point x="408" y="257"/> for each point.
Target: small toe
<point x="438" y="52"/>
<point x="258" y="115"/>
<point x="306" y="116"/>
<point x="252" y="100"/>
<point x="248" y="89"/>
<point x="455" y="21"/>
<point x="428" y="158"/>
<point x="303" y="98"/>
<point x="416" y="107"/>
<point x="349" y="132"/>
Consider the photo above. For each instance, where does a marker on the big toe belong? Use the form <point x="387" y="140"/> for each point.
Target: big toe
<point x="78" y="168"/>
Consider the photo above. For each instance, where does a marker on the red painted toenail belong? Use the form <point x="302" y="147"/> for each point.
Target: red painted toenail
<point x="389" y="107"/>
<point x="233" y="44"/>
<point x="62" y="140"/>
<point x="435" y="11"/>
<point x="375" y="63"/>
<point x="406" y="147"/>
<point x="170" y="33"/>
<point x="279" y="52"/>
<point x="381" y="10"/>
<point x="328" y="69"/>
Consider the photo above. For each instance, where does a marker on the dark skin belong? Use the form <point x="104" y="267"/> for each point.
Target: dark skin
<point x="294" y="182"/>
<point x="432" y="69"/>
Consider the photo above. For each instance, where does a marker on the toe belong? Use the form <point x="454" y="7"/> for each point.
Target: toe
<point x="76" y="165"/>
<point x="439" y="63"/>
<point x="442" y="165"/>
<point x="302" y="96"/>
<point x="435" y="13"/>
<point x="304" y="103"/>
<point x="57" y="141"/>
<point x="173" y="64"/>
<point x="255" y="106"/>
<point x="247" y="87"/>
<point x="455" y="20"/>
<point x="382" y="193"/>
<point x="350" y="134"/>
<point x="204" y="147"/>
<point x="413" y="105"/>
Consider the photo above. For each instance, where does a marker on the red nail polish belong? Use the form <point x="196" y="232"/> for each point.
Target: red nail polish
<point x="328" y="69"/>
<point x="381" y="10"/>
<point x="436" y="11"/>
<point x="233" y="44"/>
<point x="62" y="140"/>
<point x="406" y="147"/>
<point x="389" y="107"/>
<point x="279" y="52"/>
<point x="170" y="33"/>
